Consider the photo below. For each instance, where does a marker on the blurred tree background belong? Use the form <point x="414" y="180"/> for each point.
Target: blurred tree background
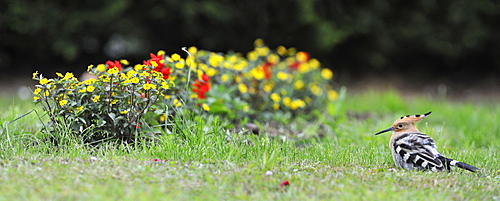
<point x="420" y="39"/>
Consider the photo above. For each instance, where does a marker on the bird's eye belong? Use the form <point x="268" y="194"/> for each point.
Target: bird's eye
<point x="400" y="126"/>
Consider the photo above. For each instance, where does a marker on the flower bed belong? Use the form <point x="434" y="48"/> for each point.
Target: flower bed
<point x="124" y="100"/>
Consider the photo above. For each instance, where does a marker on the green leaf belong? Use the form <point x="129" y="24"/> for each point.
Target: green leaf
<point x="218" y="107"/>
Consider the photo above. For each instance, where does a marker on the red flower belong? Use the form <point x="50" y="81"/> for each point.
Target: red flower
<point x="295" y="65"/>
<point x="267" y="70"/>
<point x="160" y="66"/>
<point x="202" y="86"/>
<point x="116" y="64"/>
<point x="157" y="59"/>
<point x="166" y="72"/>
<point x="300" y="58"/>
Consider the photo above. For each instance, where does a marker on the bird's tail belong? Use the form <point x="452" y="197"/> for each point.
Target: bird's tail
<point x="461" y="165"/>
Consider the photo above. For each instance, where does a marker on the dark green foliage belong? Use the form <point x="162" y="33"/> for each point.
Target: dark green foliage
<point x="445" y="38"/>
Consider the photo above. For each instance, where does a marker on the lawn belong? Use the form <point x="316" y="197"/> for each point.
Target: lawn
<point x="348" y="162"/>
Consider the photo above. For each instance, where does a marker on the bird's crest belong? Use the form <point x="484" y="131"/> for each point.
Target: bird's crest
<point x="412" y="118"/>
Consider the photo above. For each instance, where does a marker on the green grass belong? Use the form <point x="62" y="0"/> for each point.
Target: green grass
<point x="348" y="163"/>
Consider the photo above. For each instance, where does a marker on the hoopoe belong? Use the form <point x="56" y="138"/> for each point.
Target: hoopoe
<point x="412" y="149"/>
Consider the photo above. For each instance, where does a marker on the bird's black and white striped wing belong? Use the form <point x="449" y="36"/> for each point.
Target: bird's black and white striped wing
<point x="419" y="151"/>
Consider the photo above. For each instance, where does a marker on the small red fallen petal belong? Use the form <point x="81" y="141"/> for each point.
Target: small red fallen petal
<point x="285" y="183"/>
<point x="159" y="160"/>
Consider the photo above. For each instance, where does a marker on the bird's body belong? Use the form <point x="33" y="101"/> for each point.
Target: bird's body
<point x="412" y="149"/>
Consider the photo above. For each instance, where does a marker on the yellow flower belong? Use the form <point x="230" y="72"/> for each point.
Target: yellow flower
<point x="192" y="50"/>
<point x="316" y="90"/>
<point x="258" y="42"/>
<point x="258" y="73"/>
<point x="89" y="81"/>
<point x="123" y="76"/>
<point x="96" y="98"/>
<point x="281" y="50"/>
<point x="215" y="59"/>
<point x="83" y="90"/>
<point x="124" y="62"/>
<point x="304" y="68"/>
<point x="237" y="79"/>
<point x="252" y="56"/>
<point x="205" y="107"/>
<point x="144" y="74"/>
<point x="273" y="58"/>
<point x="299" y="84"/>
<point x="164" y="85"/>
<point x="131" y="73"/>
<point x="326" y="73"/>
<point x="101" y="68"/>
<point x="68" y="76"/>
<point x="282" y="75"/>
<point x="332" y="95"/>
<point x="90" y="88"/>
<point x="44" y="81"/>
<point x="224" y="78"/>
<point x="314" y="63"/>
<point x="246" y="108"/>
<point x="211" y="72"/>
<point x="179" y="65"/>
<point x="113" y="71"/>
<point x="149" y="86"/>
<point x="104" y="78"/>
<point x="63" y="102"/>
<point x="134" y="80"/>
<point x="262" y="51"/>
<point x="243" y="88"/>
<point x="240" y="66"/>
<point x="177" y="103"/>
<point x="276" y="106"/>
<point x="157" y="75"/>
<point x="35" y="98"/>
<point x="46" y="93"/>
<point x="163" y="117"/>
<point x="160" y="52"/>
<point x="275" y="97"/>
<point x="59" y="74"/>
<point x="287" y="101"/>
<point x="89" y="67"/>
<point x="268" y="87"/>
<point x="78" y="109"/>
<point x="34" y="75"/>
<point x="297" y="104"/>
<point x="124" y="112"/>
<point x="138" y="67"/>
<point x="114" y="101"/>
<point x="175" y="57"/>
<point x="301" y="56"/>
<point x="37" y="91"/>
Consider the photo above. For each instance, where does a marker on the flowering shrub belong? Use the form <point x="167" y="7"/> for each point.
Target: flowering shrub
<point x="119" y="101"/>
<point x="109" y="107"/>
<point x="265" y="82"/>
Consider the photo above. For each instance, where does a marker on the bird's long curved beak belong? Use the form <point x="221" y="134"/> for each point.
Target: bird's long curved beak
<point x="389" y="129"/>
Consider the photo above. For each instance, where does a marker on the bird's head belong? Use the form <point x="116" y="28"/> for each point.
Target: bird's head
<point x="405" y="123"/>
